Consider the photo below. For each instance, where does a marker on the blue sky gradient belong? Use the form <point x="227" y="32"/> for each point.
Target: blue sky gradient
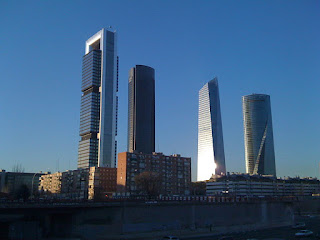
<point x="269" y="47"/>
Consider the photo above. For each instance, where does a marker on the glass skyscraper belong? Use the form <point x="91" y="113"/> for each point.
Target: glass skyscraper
<point x="258" y="134"/>
<point x="99" y="103"/>
<point x="141" y="109"/>
<point x="211" y="159"/>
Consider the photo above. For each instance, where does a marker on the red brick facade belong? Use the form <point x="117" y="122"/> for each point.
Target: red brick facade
<point x="174" y="172"/>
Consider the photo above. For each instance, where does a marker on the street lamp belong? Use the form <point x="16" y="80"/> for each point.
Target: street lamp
<point x="32" y="185"/>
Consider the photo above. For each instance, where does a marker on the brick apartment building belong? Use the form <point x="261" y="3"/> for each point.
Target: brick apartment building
<point x="174" y="172"/>
<point x="102" y="182"/>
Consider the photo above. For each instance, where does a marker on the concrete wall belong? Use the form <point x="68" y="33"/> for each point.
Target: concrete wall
<point x="307" y="206"/>
<point x="120" y="220"/>
<point x="111" y="222"/>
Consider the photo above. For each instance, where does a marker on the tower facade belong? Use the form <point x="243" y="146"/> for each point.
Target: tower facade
<point x="258" y="134"/>
<point x="141" y="109"/>
<point x="99" y="103"/>
<point x="211" y="159"/>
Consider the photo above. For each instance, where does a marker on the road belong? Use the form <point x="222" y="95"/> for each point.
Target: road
<point x="281" y="233"/>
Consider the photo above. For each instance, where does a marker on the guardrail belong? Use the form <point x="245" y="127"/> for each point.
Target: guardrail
<point x="163" y="199"/>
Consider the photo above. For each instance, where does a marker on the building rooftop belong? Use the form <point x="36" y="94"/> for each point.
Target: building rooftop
<point x="256" y="177"/>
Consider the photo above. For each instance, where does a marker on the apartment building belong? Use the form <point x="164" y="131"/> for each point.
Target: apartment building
<point x="102" y="182"/>
<point x="173" y="172"/>
<point x="80" y="184"/>
<point x="50" y="183"/>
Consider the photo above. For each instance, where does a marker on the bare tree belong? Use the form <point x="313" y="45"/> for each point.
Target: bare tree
<point x="17" y="167"/>
<point x="148" y="183"/>
<point x="198" y="188"/>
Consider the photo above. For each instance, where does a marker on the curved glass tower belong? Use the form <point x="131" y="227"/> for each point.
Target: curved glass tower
<point x="258" y="134"/>
<point x="98" y="116"/>
<point x="211" y="158"/>
<point x="141" y="113"/>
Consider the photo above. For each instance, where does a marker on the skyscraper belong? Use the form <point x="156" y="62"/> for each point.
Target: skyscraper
<point x="99" y="103"/>
<point x="211" y="158"/>
<point x="258" y="134"/>
<point x="141" y="110"/>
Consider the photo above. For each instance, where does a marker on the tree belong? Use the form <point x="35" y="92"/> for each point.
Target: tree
<point x="22" y="192"/>
<point x="148" y="183"/>
<point x="198" y="188"/>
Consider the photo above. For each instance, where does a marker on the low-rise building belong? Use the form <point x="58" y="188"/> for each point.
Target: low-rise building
<point x="74" y="184"/>
<point x="10" y="182"/>
<point x="174" y="172"/>
<point x="257" y="185"/>
<point x="80" y="184"/>
<point x="50" y="183"/>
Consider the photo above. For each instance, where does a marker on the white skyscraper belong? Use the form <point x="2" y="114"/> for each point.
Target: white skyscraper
<point x="98" y="117"/>
<point x="211" y="158"/>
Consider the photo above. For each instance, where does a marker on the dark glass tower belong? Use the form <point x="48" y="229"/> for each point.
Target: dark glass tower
<point x="141" y="114"/>
<point x="98" y="116"/>
<point x="258" y="134"/>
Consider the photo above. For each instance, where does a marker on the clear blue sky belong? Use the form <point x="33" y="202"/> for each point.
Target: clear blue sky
<point x="270" y="47"/>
